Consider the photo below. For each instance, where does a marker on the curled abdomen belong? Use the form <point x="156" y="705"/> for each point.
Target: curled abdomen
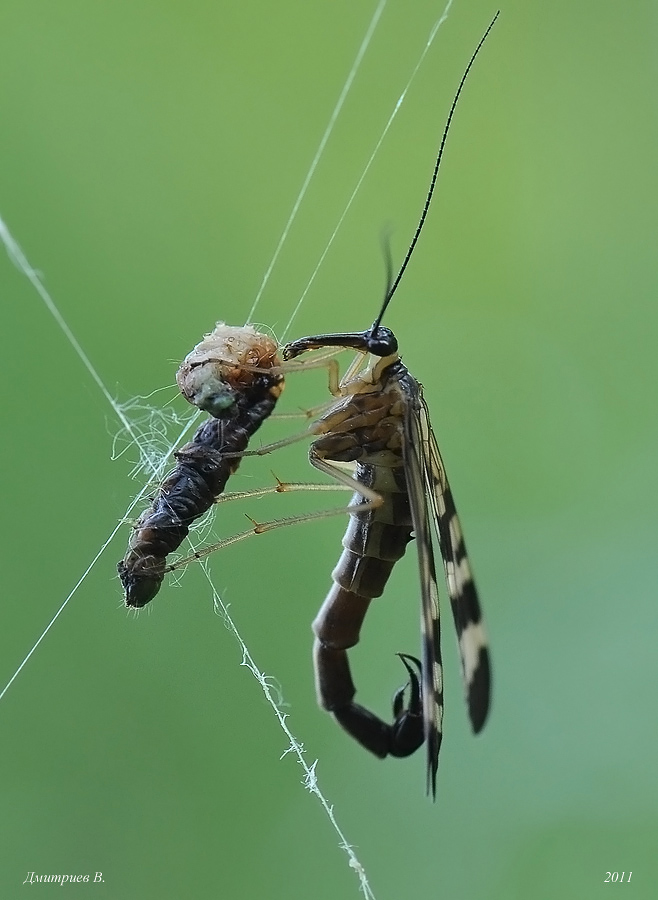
<point x="372" y="545"/>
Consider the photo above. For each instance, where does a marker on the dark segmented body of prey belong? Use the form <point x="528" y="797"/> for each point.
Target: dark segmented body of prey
<point x="227" y="375"/>
<point x="380" y="422"/>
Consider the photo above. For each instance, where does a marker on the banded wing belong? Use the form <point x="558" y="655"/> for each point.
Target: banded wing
<point x="426" y="478"/>
<point x="415" y="452"/>
<point x="471" y="636"/>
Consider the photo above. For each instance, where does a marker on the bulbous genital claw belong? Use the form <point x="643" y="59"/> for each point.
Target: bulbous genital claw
<point x="336" y="694"/>
<point x="407" y="732"/>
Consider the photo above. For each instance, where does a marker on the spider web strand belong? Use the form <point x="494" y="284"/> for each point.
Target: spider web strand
<point x="396" y="109"/>
<point x="316" y="159"/>
<point x="294" y="746"/>
<point x="19" y="259"/>
<point x="310" y="778"/>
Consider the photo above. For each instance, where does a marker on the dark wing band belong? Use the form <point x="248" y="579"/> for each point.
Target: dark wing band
<point x="471" y="636"/>
<point x="432" y="679"/>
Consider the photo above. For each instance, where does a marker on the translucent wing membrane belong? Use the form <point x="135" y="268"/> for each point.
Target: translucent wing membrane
<point x="432" y="674"/>
<point x="473" y="644"/>
<point x="426" y="479"/>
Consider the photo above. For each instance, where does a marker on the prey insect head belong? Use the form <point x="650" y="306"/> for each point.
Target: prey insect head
<point x="227" y="363"/>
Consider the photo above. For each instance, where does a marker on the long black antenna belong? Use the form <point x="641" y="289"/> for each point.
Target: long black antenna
<point x="430" y="192"/>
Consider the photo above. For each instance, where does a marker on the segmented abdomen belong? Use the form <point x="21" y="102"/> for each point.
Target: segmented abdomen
<point x="373" y="543"/>
<point x="185" y="495"/>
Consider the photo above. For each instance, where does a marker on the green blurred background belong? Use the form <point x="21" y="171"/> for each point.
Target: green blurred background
<point x="151" y="153"/>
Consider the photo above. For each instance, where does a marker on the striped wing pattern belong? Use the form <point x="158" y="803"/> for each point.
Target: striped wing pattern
<point x="426" y="478"/>
<point x="432" y="669"/>
<point x="471" y="636"/>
